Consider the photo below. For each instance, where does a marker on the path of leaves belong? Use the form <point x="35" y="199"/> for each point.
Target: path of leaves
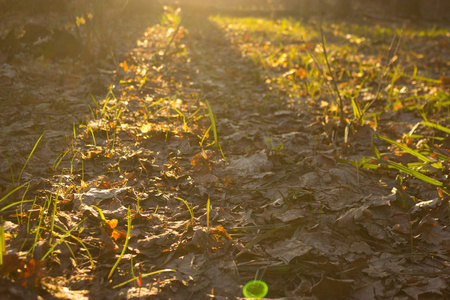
<point x="306" y="224"/>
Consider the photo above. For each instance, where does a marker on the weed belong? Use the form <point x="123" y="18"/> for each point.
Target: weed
<point x="414" y="169"/>
<point x="275" y="149"/>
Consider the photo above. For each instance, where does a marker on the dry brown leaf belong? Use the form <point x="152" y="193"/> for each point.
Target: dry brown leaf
<point x="330" y="288"/>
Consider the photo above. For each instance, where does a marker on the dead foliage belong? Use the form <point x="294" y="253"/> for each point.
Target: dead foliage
<point x="216" y="153"/>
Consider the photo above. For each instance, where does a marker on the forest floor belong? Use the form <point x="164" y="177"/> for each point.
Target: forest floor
<point x="194" y="153"/>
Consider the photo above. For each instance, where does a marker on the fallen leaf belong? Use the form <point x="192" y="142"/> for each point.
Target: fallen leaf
<point x="330" y="288"/>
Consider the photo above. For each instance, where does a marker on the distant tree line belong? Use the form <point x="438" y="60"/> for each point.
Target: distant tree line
<point x="431" y="10"/>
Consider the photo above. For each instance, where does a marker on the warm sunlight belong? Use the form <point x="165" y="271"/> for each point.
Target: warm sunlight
<point x="190" y="149"/>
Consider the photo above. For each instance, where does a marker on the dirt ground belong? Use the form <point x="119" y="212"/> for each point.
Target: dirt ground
<point x="123" y="140"/>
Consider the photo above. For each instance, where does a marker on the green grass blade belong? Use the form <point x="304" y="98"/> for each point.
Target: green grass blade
<point x="81" y="243"/>
<point x="29" y="157"/>
<point x="2" y="242"/>
<point x="102" y="216"/>
<point x="7" y="195"/>
<point x="356" y="109"/>
<point x="410" y="151"/>
<point x="213" y="122"/>
<point x="61" y="239"/>
<point x="207" y="212"/>
<point x="183" y="116"/>
<point x="375" y="150"/>
<point x="104" y="105"/>
<point x="95" y="101"/>
<point x="437" y="126"/>
<point x="74" y="132"/>
<point x="124" y="246"/>
<point x="143" y="275"/>
<point x="15" y="203"/>
<point x="205" y="134"/>
<point x="57" y="165"/>
<point x="187" y="205"/>
<point x="37" y="230"/>
<point x="92" y="132"/>
<point x="405" y="148"/>
<point x="413" y="173"/>
<point x="55" y="204"/>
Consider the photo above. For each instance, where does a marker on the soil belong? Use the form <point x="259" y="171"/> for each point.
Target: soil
<point x="123" y="127"/>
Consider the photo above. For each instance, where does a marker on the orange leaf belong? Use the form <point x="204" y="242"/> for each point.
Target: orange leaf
<point x="118" y="234"/>
<point x="139" y="281"/>
<point x="220" y="231"/>
<point x="124" y="65"/>
<point x="301" y="73"/>
<point x="112" y="224"/>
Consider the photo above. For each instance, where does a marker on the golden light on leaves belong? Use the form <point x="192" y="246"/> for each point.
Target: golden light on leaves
<point x="83" y="185"/>
<point x="146" y="127"/>
<point x="91" y="154"/>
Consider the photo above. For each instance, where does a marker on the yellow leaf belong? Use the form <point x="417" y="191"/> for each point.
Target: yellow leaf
<point x="83" y="185"/>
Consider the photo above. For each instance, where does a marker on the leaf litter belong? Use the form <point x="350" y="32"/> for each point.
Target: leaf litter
<point x="293" y="200"/>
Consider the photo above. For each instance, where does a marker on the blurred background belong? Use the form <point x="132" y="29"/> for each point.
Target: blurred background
<point x="429" y="10"/>
<point x="426" y="10"/>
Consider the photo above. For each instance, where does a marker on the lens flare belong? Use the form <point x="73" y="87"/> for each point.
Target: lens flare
<point x="255" y="289"/>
